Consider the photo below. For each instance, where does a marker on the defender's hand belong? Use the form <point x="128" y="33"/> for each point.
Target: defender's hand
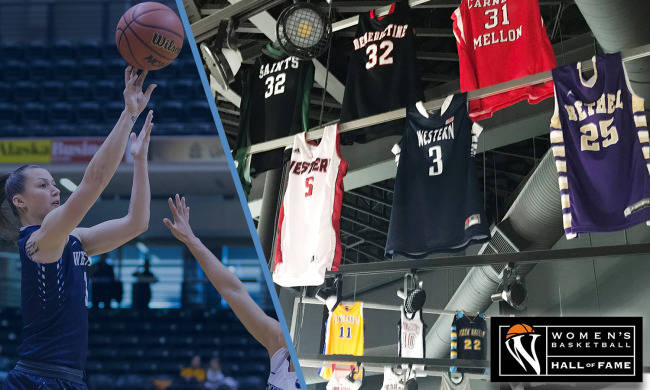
<point x="180" y="228"/>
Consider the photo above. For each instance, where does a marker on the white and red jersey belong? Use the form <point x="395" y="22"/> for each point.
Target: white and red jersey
<point x="338" y="381"/>
<point x="308" y="241"/>
<point x="499" y="41"/>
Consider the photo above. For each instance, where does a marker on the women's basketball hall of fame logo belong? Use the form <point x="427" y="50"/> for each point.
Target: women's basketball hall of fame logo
<point x="566" y="349"/>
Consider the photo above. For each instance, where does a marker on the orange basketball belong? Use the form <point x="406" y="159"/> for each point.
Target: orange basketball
<point x="518" y="329"/>
<point x="149" y="35"/>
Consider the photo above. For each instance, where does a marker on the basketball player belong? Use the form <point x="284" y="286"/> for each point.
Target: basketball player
<point x="308" y="241"/>
<point x="263" y="328"/>
<point x="468" y="335"/>
<point x="599" y="138"/>
<point x="344" y="335"/>
<point x="54" y="250"/>
<point x="382" y="71"/>
<point x="436" y="203"/>
<point x="499" y="41"/>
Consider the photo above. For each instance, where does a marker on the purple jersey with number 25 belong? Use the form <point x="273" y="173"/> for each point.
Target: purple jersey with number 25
<point x="599" y="138"/>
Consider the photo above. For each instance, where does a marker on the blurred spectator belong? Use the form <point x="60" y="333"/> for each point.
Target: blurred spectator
<point x="104" y="288"/>
<point x="215" y="380"/>
<point x="142" y="287"/>
<point x="194" y="373"/>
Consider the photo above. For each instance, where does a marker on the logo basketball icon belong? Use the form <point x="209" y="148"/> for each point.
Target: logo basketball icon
<point x="520" y="342"/>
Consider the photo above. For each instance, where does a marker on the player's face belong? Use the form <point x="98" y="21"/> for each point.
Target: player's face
<point x="40" y="195"/>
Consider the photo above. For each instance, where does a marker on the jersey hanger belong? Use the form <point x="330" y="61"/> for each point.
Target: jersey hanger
<point x="423" y="111"/>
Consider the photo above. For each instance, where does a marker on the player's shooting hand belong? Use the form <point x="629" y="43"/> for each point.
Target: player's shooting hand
<point x="135" y="100"/>
<point x="140" y="144"/>
<point x="180" y="228"/>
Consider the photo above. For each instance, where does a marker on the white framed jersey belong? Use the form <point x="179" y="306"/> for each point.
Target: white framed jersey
<point x="411" y="337"/>
<point x="411" y="332"/>
<point x="338" y="381"/>
<point x="308" y="240"/>
<point x="395" y="380"/>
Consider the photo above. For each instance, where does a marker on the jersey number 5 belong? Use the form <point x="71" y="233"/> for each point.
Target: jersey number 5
<point x="275" y="85"/>
<point x="309" y="183"/>
<point x="384" y="58"/>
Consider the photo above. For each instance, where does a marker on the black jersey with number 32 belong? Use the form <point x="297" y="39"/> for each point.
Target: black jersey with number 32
<point x="275" y="104"/>
<point x="382" y="72"/>
<point x="436" y="203"/>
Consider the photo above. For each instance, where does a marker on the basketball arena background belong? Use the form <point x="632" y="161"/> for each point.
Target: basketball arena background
<point x="61" y="82"/>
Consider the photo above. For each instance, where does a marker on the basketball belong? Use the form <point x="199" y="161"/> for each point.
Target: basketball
<point x="518" y="329"/>
<point x="149" y="36"/>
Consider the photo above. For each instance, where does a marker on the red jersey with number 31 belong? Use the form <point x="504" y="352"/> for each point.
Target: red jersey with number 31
<point x="308" y="240"/>
<point x="499" y="41"/>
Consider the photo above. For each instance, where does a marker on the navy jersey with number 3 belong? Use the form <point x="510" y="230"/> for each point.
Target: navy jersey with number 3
<point x="436" y="203"/>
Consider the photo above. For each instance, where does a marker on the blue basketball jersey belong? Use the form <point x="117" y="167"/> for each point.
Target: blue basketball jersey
<point x="599" y="138"/>
<point x="54" y="299"/>
<point x="436" y="203"/>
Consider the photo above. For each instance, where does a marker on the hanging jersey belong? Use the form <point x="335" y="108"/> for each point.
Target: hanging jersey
<point x="411" y="337"/>
<point x="275" y="103"/>
<point x="499" y="41"/>
<point x="468" y="336"/>
<point x="339" y="381"/>
<point x="280" y="378"/>
<point x="382" y="72"/>
<point x="436" y="203"/>
<point x="343" y="336"/>
<point x="396" y="380"/>
<point x="308" y="241"/>
<point x="54" y="299"/>
<point x="599" y="138"/>
<point x="447" y="384"/>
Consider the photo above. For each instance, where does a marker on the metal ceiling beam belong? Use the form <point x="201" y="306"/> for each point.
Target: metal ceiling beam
<point x="439" y="77"/>
<point x="382" y="9"/>
<point x="355" y="7"/>
<point x="426" y="32"/>
<point x="207" y="27"/>
<point x="387" y="360"/>
<point x="374" y="229"/>
<point x="421" y="32"/>
<point x="365" y="240"/>
<point x="612" y="252"/>
<point x="436" y="56"/>
<point x="368" y="197"/>
<point x="363" y="211"/>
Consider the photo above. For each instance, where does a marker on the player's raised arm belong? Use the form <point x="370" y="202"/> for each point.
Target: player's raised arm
<point x="111" y="234"/>
<point x="46" y="244"/>
<point x="263" y="328"/>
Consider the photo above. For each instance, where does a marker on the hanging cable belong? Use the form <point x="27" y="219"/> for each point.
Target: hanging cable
<point x="327" y="66"/>
<point x="496" y="194"/>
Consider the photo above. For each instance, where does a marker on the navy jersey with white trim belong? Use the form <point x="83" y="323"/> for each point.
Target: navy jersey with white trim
<point x="54" y="299"/>
<point x="437" y="206"/>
